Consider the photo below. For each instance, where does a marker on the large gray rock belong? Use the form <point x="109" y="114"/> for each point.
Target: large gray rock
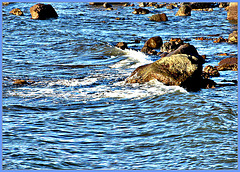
<point x="179" y="69"/>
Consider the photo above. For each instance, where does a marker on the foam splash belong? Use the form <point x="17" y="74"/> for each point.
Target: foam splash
<point x="133" y="59"/>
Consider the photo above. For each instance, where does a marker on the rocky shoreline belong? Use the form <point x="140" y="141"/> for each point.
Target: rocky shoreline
<point x="179" y="62"/>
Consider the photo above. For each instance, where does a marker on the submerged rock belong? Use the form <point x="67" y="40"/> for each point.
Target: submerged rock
<point x="210" y="71"/>
<point x="233" y="37"/>
<point x="42" y="11"/>
<point x="17" y="12"/>
<point x="20" y="82"/>
<point x="220" y="39"/>
<point x="140" y="11"/>
<point x="184" y="10"/>
<point x="230" y="63"/>
<point x="178" y="69"/>
<point x="159" y="17"/>
<point x="122" y="45"/>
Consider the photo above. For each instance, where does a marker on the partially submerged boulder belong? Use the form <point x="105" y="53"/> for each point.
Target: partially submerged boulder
<point x="140" y="11"/>
<point x="16" y="11"/>
<point x="184" y="10"/>
<point x="43" y="11"/>
<point x="210" y="71"/>
<point x="159" y="17"/>
<point x="172" y="45"/>
<point x="233" y="37"/>
<point x="230" y="63"/>
<point x="232" y="13"/>
<point x="178" y="69"/>
<point x="154" y="42"/>
<point x="122" y="45"/>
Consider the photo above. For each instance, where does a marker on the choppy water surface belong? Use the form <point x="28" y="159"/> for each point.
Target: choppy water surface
<point x="79" y="113"/>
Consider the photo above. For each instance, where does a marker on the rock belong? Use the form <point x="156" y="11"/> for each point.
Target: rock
<point x="107" y="5"/>
<point x="201" y="5"/>
<point x="154" y="42"/>
<point x="142" y="4"/>
<point x="210" y="71"/>
<point x="208" y="83"/>
<point x="140" y="11"/>
<point x="188" y="49"/>
<point x="203" y="38"/>
<point x="230" y="63"/>
<point x="148" y="50"/>
<point x="158" y="17"/>
<point x="122" y="45"/>
<point x="109" y="9"/>
<point x="20" y="82"/>
<point x="233" y="37"/>
<point x="232" y="13"/>
<point x="172" y="45"/>
<point x="223" y="4"/>
<point x="220" y="39"/>
<point x="170" y="6"/>
<point x="42" y="11"/>
<point x="17" y="12"/>
<point x="184" y="10"/>
<point x="180" y="69"/>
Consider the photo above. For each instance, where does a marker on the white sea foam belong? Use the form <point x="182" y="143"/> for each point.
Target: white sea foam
<point x="133" y="59"/>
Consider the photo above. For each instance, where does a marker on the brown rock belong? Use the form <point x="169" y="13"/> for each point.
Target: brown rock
<point x="20" y="82"/>
<point x="122" y="45"/>
<point x="172" y="45"/>
<point x="184" y="10"/>
<point x="220" y="39"/>
<point x="180" y="69"/>
<point x="189" y="50"/>
<point x="233" y="37"/>
<point x="158" y="17"/>
<point x="210" y="71"/>
<point x="17" y="12"/>
<point x="230" y="63"/>
<point x="154" y="42"/>
<point x="140" y="11"/>
<point x="232" y="13"/>
<point x="42" y="12"/>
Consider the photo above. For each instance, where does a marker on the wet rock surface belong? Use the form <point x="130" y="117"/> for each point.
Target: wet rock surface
<point x="43" y="11"/>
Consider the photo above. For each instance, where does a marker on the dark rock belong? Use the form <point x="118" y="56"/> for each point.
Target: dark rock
<point x="187" y="49"/>
<point x="208" y="83"/>
<point x="220" y="39"/>
<point x="17" y="12"/>
<point x="122" y="45"/>
<point x="42" y="12"/>
<point x="180" y="69"/>
<point x="230" y="63"/>
<point x="233" y="37"/>
<point x="158" y="17"/>
<point x="140" y="11"/>
<point x="184" y="10"/>
<point x="107" y="5"/>
<point x="232" y="13"/>
<point x="154" y="42"/>
<point x="201" y="5"/>
<point x="223" y="4"/>
<point x="148" y="50"/>
<point x="172" y="45"/>
<point x="210" y="71"/>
